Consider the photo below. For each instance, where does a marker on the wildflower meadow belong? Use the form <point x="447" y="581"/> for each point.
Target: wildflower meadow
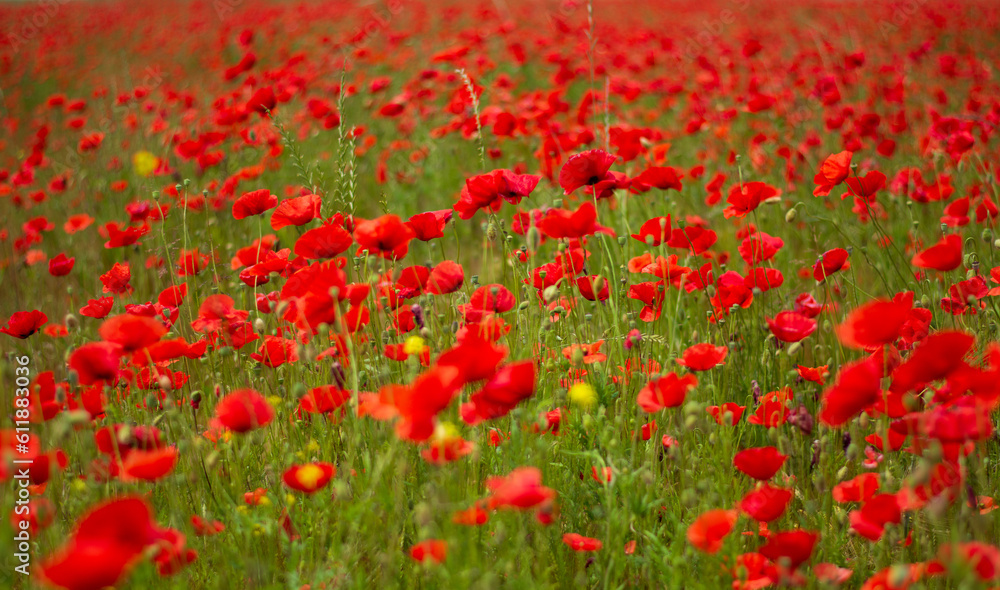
<point x="500" y="294"/>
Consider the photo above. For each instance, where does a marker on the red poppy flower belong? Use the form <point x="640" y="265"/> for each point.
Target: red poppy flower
<point x="324" y="399"/>
<point x="521" y="489"/>
<point x="296" y="211"/>
<point x="149" y="465"/>
<point x="874" y="324"/>
<point x="661" y="177"/>
<point x="587" y="168"/>
<point x="132" y="332"/>
<point x="116" y="280"/>
<point x="96" y="362"/>
<point x="831" y="262"/>
<point x="710" y="529"/>
<point x="254" y="203"/>
<point x="262" y="102"/>
<point x="766" y="503"/>
<point x="60" y="265"/>
<point x="834" y="170"/>
<point x="982" y="559"/>
<point x="244" y="410"/>
<point x="593" y="288"/>
<point x="385" y="237"/>
<point x="702" y="357"/>
<point x="794" y="546"/>
<point x="560" y="223"/>
<point x="760" y="463"/>
<point x="695" y="239"/>
<point x="325" y="241"/>
<point x="206" y="528"/>
<point x="773" y="409"/>
<point x="309" y="478"/>
<point x="118" y="238"/>
<point x="591" y="353"/>
<point x="719" y="413"/>
<point x="98" y="308"/>
<point x="859" y="489"/>
<point x="814" y="374"/>
<point x="866" y="186"/>
<point x="430" y="550"/>
<point x="937" y="356"/>
<point x="276" y="351"/>
<point x="831" y="573"/>
<point x="744" y="198"/>
<point x="759" y="247"/>
<point x="510" y="385"/>
<point x="473" y="516"/>
<point x="429" y="225"/>
<point x="668" y="391"/>
<point x="856" y="389"/>
<point x="944" y="256"/>
<point x="870" y="520"/>
<point x="654" y="231"/>
<point x="22" y="324"/>
<point x="446" y="277"/>
<point x="789" y="326"/>
<point x="488" y="191"/>
<point x="578" y="542"/>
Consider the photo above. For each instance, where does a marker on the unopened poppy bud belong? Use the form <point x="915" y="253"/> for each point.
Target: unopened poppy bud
<point x="621" y="241"/>
<point x="164" y="383"/>
<point x="523" y="306"/>
<point x="794" y="348"/>
<point x="79" y="418"/>
<point x="790" y="215"/>
<point x="533" y="237"/>
<point x="491" y="232"/>
<point x="557" y="203"/>
<point x="71" y="322"/>
<point x="196" y="400"/>
<point x="259" y="326"/>
<point x="418" y="314"/>
<point x="550" y="293"/>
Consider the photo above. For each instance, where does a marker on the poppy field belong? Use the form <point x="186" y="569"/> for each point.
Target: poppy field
<point x="441" y="294"/>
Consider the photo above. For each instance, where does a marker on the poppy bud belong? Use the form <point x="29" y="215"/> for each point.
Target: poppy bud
<point x="491" y="232"/>
<point x="790" y="215"/>
<point x="259" y="326"/>
<point x="71" y="322"/>
<point x="79" y="418"/>
<point x="299" y="390"/>
<point x="196" y="400"/>
<point x="164" y="383"/>
<point x="337" y="374"/>
<point x="550" y="293"/>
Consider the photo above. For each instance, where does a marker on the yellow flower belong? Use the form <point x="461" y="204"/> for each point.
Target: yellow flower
<point x="582" y="394"/>
<point x="144" y="163"/>
<point x="413" y="345"/>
